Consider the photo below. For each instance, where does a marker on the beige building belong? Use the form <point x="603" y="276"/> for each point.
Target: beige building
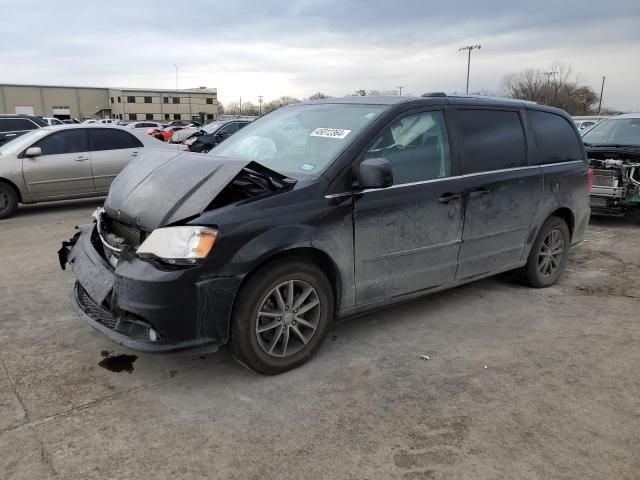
<point x="122" y="103"/>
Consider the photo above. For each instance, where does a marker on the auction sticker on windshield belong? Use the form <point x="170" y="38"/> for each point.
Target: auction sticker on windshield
<point x="330" y="133"/>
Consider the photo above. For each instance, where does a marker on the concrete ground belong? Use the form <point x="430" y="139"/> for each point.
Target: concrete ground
<point x="521" y="383"/>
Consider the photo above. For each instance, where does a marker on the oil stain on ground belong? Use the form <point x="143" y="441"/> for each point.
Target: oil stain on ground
<point x="117" y="363"/>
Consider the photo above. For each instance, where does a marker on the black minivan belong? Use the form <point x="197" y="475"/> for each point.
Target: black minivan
<point x="326" y="209"/>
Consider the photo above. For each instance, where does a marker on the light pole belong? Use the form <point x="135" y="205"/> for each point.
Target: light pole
<point x="601" y="93"/>
<point x="400" y="91"/>
<point x="177" y="95"/>
<point x="469" y="48"/>
<point x="549" y="75"/>
<point x="260" y="104"/>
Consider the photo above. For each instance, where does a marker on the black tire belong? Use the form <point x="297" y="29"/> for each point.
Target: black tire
<point x="247" y="344"/>
<point x="539" y="272"/>
<point x="8" y="200"/>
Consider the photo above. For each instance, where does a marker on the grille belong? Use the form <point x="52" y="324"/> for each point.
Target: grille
<point x="131" y="235"/>
<point x="605" y="178"/>
<point x="95" y="311"/>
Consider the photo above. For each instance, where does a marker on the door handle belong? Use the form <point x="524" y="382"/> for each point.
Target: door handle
<point x="81" y="159"/>
<point x="479" y="192"/>
<point x="450" y="197"/>
<point x="134" y="154"/>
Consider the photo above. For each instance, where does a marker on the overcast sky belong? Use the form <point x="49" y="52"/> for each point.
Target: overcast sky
<point x="298" y="47"/>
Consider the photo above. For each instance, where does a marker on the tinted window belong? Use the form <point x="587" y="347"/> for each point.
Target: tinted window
<point x="230" y="128"/>
<point x="16" y="124"/>
<point x="491" y="140"/>
<point x="69" y="141"/>
<point x="112" y="139"/>
<point x="555" y="138"/>
<point x="416" y="146"/>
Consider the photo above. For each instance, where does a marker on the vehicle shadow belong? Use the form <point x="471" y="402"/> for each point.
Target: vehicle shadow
<point x="629" y="219"/>
<point x="60" y="206"/>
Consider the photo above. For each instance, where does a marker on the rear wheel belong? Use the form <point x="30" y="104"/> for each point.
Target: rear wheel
<point x="8" y="200"/>
<point x="548" y="253"/>
<point x="282" y="316"/>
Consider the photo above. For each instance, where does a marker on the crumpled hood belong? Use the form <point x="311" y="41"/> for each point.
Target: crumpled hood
<point x="163" y="187"/>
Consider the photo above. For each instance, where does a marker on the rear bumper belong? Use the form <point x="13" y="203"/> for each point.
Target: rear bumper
<point x="144" y="307"/>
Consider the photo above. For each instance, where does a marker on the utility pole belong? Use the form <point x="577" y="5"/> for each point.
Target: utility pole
<point x="549" y="75"/>
<point x="240" y="105"/>
<point x="469" y="48"/>
<point x="177" y="95"/>
<point x="400" y="91"/>
<point x="601" y="93"/>
<point x="260" y="104"/>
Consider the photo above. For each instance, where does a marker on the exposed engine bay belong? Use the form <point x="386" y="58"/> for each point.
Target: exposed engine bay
<point x="615" y="181"/>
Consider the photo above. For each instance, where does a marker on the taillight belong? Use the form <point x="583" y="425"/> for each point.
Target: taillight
<point x="590" y="178"/>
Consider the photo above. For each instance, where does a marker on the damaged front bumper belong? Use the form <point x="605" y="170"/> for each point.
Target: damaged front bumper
<point x="145" y="306"/>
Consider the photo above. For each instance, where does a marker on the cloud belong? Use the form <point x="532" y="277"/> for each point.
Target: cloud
<point x="297" y="47"/>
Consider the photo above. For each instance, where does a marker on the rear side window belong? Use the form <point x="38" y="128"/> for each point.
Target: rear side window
<point x="69" y="141"/>
<point x="555" y="137"/>
<point x="112" y="139"/>
<point x="16" y="124"/>
<point x="491" y="140"/>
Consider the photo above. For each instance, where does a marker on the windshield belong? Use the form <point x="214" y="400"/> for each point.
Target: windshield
<point x="23" y="141"/>
<point x="302" y="140"/>
<point x="614" y="131"/>
<point x="212" y="127"/>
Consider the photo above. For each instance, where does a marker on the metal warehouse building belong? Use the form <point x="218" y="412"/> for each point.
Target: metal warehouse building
<point x="124" y="103"/>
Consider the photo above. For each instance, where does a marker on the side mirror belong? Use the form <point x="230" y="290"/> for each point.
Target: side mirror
<point x="33" y="152"/>
<point x="375" y="173"/>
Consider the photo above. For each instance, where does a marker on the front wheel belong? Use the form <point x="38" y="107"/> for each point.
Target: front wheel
<point x="282" y="316"/>
<point x="548" y="253"/>
<point x="8" y="200"/>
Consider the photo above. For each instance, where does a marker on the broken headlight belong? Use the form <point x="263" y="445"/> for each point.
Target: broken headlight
<point x="179" y="245"/>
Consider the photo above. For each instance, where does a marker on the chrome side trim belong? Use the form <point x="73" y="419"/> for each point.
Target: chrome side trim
<point x="493" y="234"/>
<point x="560" y="163"/>
<point x="502" y="170"/>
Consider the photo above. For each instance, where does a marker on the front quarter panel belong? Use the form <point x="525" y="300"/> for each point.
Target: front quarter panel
<point x="253" y="233"/>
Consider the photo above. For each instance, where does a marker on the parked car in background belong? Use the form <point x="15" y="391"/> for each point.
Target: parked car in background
<point x="327" y="209"/>
<point x="12" y="126"/>
<point x="213" y="134"/>
<point x="184" y="133"/>
<point x="163" y="134"/>
<point x="584" y="123"/>
<point x="613" y="148"/>
<point x="144" y="124"/>
<point x="52" y="121"/>
<point x="70" y="161"/>
<point x="89" y="120"/>
<point x="71" y="121"/>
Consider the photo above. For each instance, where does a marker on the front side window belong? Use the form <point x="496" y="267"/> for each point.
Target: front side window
<point x="230" y="128"/>
<point x="69" y="141"/>
<point x="416" y="146"/>
<point x="300" y="141"/>
<point x="491" y="140"/>
<point x="615" y="131"/>
<point x="555" y="138"/>
<point x="111" y="139"/>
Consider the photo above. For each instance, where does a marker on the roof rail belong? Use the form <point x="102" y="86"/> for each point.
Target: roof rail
<point x="434" y="94"/>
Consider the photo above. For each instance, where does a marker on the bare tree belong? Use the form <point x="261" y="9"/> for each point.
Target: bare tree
<point x="251" y="109"/>
<point x="232" y="108"/>
<point x="279" y="102"/>
<point x="557" y="87"/>
<point x="318" y="96"/>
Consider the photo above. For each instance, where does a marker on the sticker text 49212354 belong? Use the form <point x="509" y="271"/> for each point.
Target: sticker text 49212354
<point x="330" y="133"/>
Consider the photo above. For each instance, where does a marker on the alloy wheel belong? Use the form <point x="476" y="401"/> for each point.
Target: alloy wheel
<point x="4" y="201"/>
<point x="288" y="318"/>
<point x="551" y="252"/>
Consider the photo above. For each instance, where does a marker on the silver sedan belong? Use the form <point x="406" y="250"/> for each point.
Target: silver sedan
<point x="65" y="162"/>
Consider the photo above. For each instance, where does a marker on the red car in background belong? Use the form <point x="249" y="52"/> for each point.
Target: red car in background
<point x="163" y="134"/>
